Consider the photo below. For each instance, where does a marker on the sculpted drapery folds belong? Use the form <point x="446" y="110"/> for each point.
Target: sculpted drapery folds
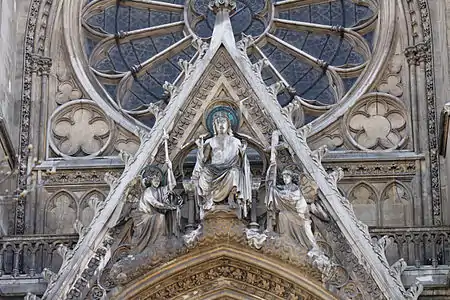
<point x="287" y="206"/>
<point x="158" y="211"/>
<point x="222" y="170"/>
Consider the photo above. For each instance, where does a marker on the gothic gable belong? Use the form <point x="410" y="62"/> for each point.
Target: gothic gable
<point x="224" y="74"/>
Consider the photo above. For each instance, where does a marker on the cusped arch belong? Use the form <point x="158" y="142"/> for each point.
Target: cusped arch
<point x="396" y="204"/>
<point x="60" y="213"/>
<point x="364" y="198"/>
<point x="226" y="271"/>
<point x="86" y="212"/>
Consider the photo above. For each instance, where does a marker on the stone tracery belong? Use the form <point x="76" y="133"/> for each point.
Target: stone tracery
<point x="317" y="50"/>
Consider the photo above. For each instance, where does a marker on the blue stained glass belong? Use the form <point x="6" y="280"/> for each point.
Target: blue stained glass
<point x="89" y="46"/>
<point x="314" y="44"/>
<point x="296" y="71"/>
<point x="320" y="13"/>
<point x="339" y="12"/>
<point x="148" y="120"/>
<point x="349" y="82"/>
<point x="334" y="50"/>
<point x="124" y="18"/>
<point x="143" y="49"/>
<point x="309" y="81"/>
<point x="105" y="65"/>
<point x="370" y="38"/>
<point x="245" y="19"/>
<point x="280" y="60"/>
<point x="284" y="98"/>
<point x="268" y="76"/>
<point x="111" y="89"/>
<point x="139" y="17"/>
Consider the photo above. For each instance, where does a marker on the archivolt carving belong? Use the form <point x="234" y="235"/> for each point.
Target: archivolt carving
<point x="200" y="281"/>
<point x="80" y="128"/>
<point x="377" y="122"/>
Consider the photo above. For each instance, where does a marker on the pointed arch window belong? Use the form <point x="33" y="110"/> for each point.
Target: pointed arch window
<point x="318" y="48"/>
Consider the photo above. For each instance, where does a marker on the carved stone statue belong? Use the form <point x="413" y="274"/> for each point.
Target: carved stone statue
<point x="222" y="170"/>
<point x="158" y="211"/>
<point x="287" y="205"/>
<point x="293" y="213"/>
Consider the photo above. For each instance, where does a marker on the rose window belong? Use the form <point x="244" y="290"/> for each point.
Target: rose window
<point x="317" y="48"/>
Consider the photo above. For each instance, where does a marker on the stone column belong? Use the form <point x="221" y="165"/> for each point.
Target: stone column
<point x="189" y="187"/>
<point x="255" y="188"/>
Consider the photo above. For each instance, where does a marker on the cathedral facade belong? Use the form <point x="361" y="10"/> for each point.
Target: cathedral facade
<point x="224" y="149"/>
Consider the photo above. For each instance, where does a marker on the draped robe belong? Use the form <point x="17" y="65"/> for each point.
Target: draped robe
<point x="293" y="213"/>
<point x="155" y="217"/>
<point x="223" y="168"/>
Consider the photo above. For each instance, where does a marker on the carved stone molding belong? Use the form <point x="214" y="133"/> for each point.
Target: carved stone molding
<point x="418" y="53"/>
<point x="432" y="113"/>
<point x="375" y="169"/>
<point x="200" y="281"/>
<point x="72" y="177"/>
<point x="40" y="65"/>
<point x="220" y="252"/>
<point x="33" y="62"/>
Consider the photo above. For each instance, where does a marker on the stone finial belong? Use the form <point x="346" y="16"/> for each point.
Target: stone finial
<point x="79" y="227"/>
<point x="217" y="5"/>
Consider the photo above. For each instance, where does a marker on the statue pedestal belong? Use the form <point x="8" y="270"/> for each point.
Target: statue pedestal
<point x="221" y="211"/>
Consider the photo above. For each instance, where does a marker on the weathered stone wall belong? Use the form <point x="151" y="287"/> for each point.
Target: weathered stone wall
<point x="9" y="89"/>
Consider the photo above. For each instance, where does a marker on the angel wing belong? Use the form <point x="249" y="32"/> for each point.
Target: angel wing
<point x="309" y="188"/>
<point x="134" y="190"/>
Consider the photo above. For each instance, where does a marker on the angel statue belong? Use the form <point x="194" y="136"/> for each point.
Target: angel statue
<point x="157" y="214"/>
<point x="287" y="206"/>
<point x="222" y="170"/>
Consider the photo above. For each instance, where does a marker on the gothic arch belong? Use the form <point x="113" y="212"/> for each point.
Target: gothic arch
<point x="396" y="202"/>
<point x="364" y="204"/>
<point x="86" y="212"/>
<point x="58" y="216"/>
<point x="225" y="270"/>
<point x="384" y="13"/>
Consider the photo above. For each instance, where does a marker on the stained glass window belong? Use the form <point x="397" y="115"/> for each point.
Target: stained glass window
<point x="317" y="48"/>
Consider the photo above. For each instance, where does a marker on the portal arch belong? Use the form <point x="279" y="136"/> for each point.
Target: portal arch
<point x="226" y="272"/>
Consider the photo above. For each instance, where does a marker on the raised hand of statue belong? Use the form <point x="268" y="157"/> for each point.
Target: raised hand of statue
<point x="200" y="142"/>
<point x="243" y="146"/>
<point x="169" y="164"/>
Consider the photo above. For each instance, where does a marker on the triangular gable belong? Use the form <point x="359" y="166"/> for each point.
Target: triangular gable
<point x="92" y="250"/>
